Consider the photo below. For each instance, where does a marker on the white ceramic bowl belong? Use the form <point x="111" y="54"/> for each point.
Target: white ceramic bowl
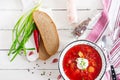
<point x="60" y="65"/>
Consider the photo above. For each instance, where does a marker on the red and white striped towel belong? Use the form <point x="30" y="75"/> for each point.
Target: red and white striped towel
<point x="110" y="19"/>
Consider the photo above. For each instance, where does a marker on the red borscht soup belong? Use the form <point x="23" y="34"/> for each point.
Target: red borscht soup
<point x="82" y="62"/>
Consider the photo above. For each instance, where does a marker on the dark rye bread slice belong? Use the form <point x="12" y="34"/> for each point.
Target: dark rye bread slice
<point x="48" y="31"/>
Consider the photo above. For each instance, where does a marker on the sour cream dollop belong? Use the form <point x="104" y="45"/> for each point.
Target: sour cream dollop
<point x="82" y="63"/>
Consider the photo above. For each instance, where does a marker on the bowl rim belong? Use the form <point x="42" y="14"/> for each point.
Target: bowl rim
<point x="73" y="43"/>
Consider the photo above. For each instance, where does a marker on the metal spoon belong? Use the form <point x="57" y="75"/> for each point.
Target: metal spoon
<point x="104" y="45"/>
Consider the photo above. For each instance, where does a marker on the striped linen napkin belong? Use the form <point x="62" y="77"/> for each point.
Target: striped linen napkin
<point x="110" y="22"/>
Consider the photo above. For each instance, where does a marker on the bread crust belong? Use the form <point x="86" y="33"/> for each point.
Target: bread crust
<point x="42" y="52"/>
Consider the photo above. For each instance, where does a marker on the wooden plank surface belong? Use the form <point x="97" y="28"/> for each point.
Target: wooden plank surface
<point x="31" y="75"/>
<point x="21" y="69"/>
<point x="9" y="18"/>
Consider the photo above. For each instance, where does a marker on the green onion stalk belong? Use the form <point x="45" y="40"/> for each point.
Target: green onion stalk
<point x="21" y="33"/>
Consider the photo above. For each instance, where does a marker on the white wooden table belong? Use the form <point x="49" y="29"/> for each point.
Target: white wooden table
<point x="20" y="68"/>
